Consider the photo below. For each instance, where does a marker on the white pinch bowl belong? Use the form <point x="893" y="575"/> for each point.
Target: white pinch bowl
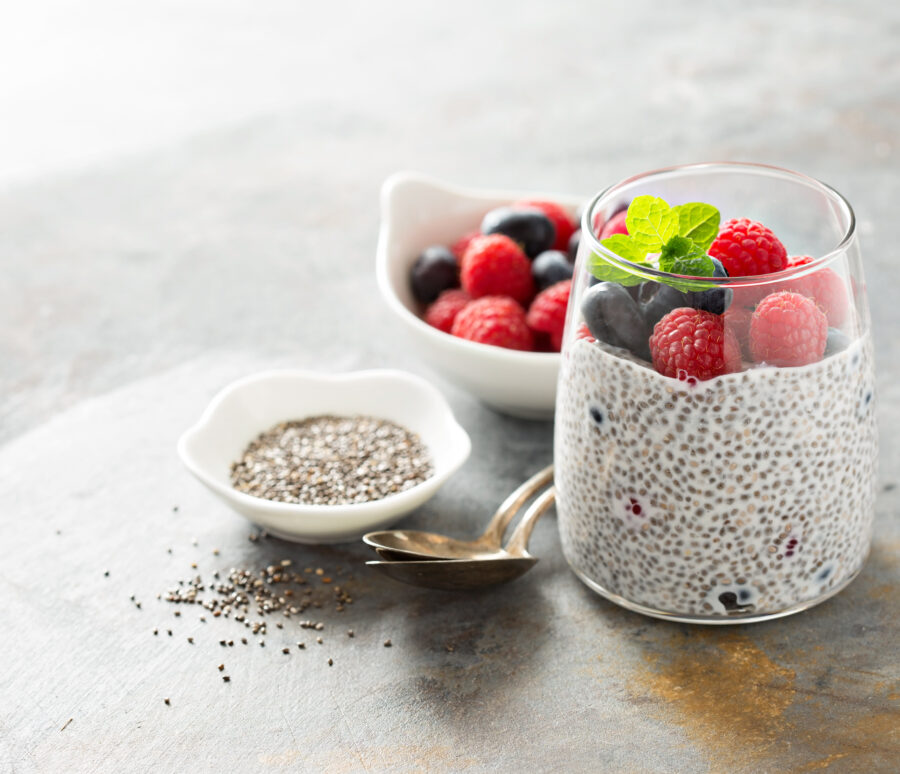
<point x="250" y="406"/>
<point x="418" y="211"/>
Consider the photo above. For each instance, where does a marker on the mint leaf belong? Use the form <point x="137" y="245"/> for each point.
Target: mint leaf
<point x="603" y="270"/>
<point x="691" y="265"/>
<point x="625" y="247"/>
<point x="676" y="247"/>
<point x="651" y="222"/>
<point x="698" y="222"/>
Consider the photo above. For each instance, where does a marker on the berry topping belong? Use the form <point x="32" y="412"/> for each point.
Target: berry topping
<point x="574" y="243"/>
<point x="747" y="248"/>
<point x="715" y="300"/>
<point x="495" y="320"/>
<point x="559" y="216"/>
<point x="615" y="225"/>
<point x="788" y="329"/>
<point x="550" y="267"/>
<point x="737" y="319"/>
<point x="613" y="316"/>
<point x="657" y="300"/>
<point x="458" y="248"/>
<point x="528" y="226"/>
<point x="583" y="332"/>
<point x="442" y="312"/>
<point x="434" y="271"/>
<point x="691" y="343"/>
<point x="824" y="287"/>
<point x="547" y="314"/>
<point x="496" y="266"/>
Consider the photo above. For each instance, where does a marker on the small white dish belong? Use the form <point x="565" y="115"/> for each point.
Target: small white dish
<point x="250" y="406"/>
<point x="418" y="211"/>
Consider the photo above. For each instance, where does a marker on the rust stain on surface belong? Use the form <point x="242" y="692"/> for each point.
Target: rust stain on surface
<point x="729" y="696"/>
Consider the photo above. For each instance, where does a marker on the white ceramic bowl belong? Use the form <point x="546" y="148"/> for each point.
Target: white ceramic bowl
<point x="250" y="406"/>
<point x="417" y="211"/>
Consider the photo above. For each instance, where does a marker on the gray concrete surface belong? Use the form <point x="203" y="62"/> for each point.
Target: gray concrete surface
<point x="192" y="240"/>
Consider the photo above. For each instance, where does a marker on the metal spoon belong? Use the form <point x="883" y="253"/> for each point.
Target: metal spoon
<point x="486" y="570"/>
<point x="407" y="544"/>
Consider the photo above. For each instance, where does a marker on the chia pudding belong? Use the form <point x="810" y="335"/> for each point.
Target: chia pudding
<point x="748" y="493"/>
<point x="715" y="441"/>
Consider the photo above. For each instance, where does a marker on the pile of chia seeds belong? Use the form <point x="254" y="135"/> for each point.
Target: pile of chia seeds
<point x="329" y="460"/>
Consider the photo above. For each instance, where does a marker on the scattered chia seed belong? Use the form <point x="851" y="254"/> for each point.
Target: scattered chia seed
<point x="285" y="651"/>
<point x="168" y="703"/>
<point x="221" y="667"/>
<point x="331" y="460"/>
<point x="226" y="679"/>
<point x="387" y="643"/>
<point x="330" y="662"/>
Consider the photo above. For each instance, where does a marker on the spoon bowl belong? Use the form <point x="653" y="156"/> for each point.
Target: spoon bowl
<point x="406" y="544"/>
<point x="488" y="569"/>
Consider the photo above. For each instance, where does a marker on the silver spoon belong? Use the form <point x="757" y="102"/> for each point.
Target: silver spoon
<point x="483" y="569"/>
<point x="407" y="544"/>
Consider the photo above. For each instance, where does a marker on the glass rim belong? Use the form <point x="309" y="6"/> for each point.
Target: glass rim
<point x="649" y="272"/>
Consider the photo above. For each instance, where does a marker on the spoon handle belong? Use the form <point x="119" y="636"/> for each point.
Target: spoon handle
<point x="518" y="543"/>
<point x="511" y="505"/>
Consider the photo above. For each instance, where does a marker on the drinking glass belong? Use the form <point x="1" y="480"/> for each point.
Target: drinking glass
<point x="745" y="496"/>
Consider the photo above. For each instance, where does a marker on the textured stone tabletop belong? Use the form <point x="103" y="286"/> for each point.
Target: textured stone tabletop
<point x="221" y="219"/>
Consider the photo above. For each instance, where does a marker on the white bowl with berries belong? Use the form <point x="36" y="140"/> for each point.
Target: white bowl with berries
<point x="480" y="280"/>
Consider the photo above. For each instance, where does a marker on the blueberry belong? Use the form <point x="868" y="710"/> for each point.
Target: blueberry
<point x="528" y="226"/>
<point x="715" y="300"/>
<point x="434" y="271"/>
<point x="613" y="316"/>
<point x="574" y="242"/>
<point x="550" y="267"/>
<point x="657" y="300"/>
<point x="837" y="341"/>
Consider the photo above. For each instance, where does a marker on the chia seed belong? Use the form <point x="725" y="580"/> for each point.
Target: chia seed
<point x="330" y="460"/>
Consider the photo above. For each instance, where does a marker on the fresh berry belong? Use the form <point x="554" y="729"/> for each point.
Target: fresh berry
<point x="691" y="343"/>
<point x="547" y="313"/>
<point x="528" y="226"/>
<point x="824" y="287"/>
<point x="656" y="300"/>
<point x="737" y="319"/>
<point x="615" y="225"/>
<point x="494" y="265"/>
<point x="747" y="248"/>
<point x="715" y="300"/>
<point x="434" y="271"/>
<point x="550" y="267"/>
<point x="837" y="341"/>
<point x="442" y="312"/>
<point x="559" y="216"/>
<point x="788" y="329"/>
<point x="458" y="248"/>
<point x="612" y="315"/>
<point x="496" y="320"/>
<point x="574" y="243"/>
<point x="583" y="332"/>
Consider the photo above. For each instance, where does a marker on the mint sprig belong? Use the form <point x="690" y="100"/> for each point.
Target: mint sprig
<point x="681" y="235"/>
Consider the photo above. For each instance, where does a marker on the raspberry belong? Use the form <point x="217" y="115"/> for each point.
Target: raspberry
<point x="583" y="332"/>
<point x="458" y="248"/>
<point x="747" y="248"/>
<point x="615" y="225"/>
<point x="691" y="343"/>
<point x="559" y="216"/>
<point x="824" y="287"/>
<point x="494" y="265"/>
<point x="442" y="312"/>
<point x="737" y="319"/>
<point x="496" y="320"/>
<point x="788" y="329"/>
<point x="547" y="314"/>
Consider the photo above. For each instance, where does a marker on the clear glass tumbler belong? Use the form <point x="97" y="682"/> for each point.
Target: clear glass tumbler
<point x="733" y="484"/>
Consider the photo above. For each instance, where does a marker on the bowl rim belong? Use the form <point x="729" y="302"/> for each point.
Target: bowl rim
<point x="461" y="444"/>
<point x="382" y="264"/>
